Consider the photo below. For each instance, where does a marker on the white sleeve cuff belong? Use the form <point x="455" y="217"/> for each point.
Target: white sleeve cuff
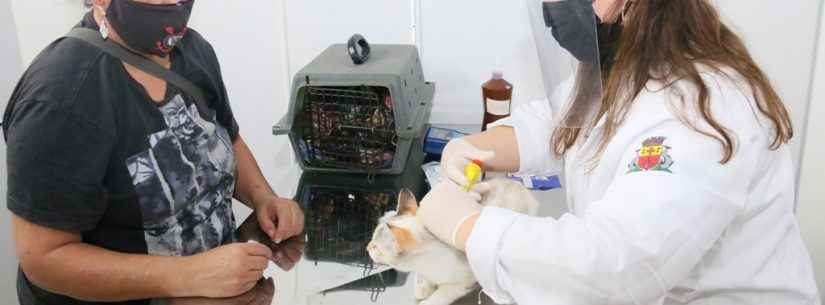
<point x="533" y="127"/>
<point x="508" y="121"/>
<point x="483" y="252"/>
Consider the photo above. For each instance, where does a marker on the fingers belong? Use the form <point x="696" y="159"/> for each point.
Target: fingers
<point x="483" y="155"/>
<point x="454" y="173"/>
<point x="267" y="225"/>
<point x="247" y="287"/>
<point x="256" y="249"/>
<point x="293" y="254"/>
<point x="281" y="220"/>
<point x="453" y="167"/>
<point x="253" y="276"/>
<point x="258" y="263"/>
<point x="457" y="154"/>
<point x="290" y="221"/>
<point x="290" y="254"/>
<point x="250" y="279"/>
<point x="482" y="188"/>
<point x="476" y="196"/>
<point x="284" y="262"/>
<point x="293" y="220"/>
<point x="299" y="217"/>
<point x="282" y="230"/>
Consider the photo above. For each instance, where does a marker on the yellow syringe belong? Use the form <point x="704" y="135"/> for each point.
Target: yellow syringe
<point x="473" y="173"/>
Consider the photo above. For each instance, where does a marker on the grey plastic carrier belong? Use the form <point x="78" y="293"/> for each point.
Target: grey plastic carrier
<point x="348" y="118"/>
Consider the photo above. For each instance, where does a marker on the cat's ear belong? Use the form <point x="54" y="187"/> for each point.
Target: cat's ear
<point x="407" y="204"/>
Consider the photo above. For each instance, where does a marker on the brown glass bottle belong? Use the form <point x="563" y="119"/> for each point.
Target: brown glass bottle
<point x="498" y="96"/>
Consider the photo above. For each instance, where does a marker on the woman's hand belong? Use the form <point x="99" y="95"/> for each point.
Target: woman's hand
<point x="446" y="210"/>
<point x="227" y="271"/>
<point x="457" y="154"/>
<point x="497" y="148"/>
<point x="280" y="218"/>
<point x="289" y="253"/>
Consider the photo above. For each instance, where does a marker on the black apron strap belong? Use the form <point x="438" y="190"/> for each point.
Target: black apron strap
<point x="138" y="61"/>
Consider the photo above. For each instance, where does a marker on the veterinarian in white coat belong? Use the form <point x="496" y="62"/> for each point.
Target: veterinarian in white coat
<point x="679" y="185"/>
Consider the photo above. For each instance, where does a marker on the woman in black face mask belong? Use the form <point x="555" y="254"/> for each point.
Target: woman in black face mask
<point x="120" y="183"/>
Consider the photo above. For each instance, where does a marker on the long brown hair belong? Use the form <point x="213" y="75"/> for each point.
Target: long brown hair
<point x="664" y="40"/>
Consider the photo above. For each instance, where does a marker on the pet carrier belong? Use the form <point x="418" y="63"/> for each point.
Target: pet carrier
<point x="342" y="210"/>
<point x="348" y="118"/>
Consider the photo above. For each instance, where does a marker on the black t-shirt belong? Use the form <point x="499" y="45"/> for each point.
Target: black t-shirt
<point x="89" y="152"/>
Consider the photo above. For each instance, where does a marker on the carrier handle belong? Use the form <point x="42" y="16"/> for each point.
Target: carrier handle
<point x="282" y="127"/>
<point x="358" y="49"/>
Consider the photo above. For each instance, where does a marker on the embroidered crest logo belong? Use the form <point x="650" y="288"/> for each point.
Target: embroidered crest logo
<point x="653" y="156"/>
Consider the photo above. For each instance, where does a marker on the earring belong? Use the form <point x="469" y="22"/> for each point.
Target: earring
<point x="104" y="26"/>
<point x="104" y="31"/>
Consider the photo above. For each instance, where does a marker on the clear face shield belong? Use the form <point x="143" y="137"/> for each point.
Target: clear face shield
<point x="566" y="37"/>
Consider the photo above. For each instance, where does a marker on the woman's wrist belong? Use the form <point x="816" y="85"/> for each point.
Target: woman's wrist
<point x="464" y="230"/>
<point x="180" y="274"/>
<point x="260" y="197"/>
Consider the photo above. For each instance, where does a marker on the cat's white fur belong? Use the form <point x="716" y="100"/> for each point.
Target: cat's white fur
<point x="401" y="241"/>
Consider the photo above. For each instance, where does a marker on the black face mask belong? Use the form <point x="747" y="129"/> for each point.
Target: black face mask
<point x="573" y="24"/>
<point x="147" y="28"/>
<point x="609" y="35"/>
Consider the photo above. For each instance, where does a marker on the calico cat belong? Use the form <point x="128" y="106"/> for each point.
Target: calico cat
<point x="401" y="241"/>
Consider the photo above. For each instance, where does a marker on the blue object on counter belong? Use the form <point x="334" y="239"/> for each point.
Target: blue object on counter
<point x="539" y="183"/>
<point x="437" y="138"/>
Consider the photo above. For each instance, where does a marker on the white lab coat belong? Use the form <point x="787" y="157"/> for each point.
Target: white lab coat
<point x="699" y="233"/>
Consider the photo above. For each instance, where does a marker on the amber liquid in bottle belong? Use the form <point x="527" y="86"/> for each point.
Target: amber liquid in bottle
<point x="498" y="95"/>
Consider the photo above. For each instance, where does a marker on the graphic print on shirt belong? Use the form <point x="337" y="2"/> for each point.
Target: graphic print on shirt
<point x="185" y="182"/>
<point x="653" y="156"/>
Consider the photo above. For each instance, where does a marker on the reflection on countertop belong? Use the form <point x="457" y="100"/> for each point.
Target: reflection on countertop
<point x="262" y="294"/>
<point x="329" y="263"/>
<point x="340" y="222"/>
<point x="342" y="212"/>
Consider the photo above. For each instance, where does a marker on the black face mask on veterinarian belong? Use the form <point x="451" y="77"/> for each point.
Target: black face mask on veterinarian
<point x="150" y="28"/>
<point x="608" y="35"/>
<point x="567" y="40"/>
<point x="572" y="28"/>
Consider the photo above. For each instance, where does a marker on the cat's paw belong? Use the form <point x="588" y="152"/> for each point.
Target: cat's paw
<point x="423" y="290"/>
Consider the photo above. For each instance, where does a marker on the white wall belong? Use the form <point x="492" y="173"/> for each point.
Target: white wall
<point x="812" y="193"/>
<point x="463" y="41"/>
<point x="313" y="25"/>
<point x="782" y="37"/>
<point x="41" y="22"/>
<point x="9" y="73"/>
